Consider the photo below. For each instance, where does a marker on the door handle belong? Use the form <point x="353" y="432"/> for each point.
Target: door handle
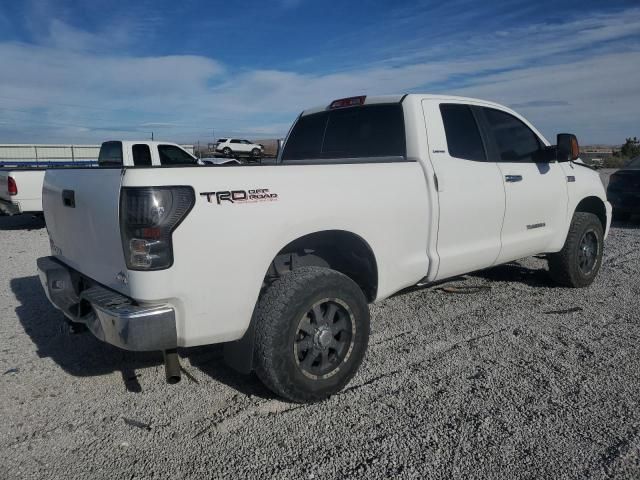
<point x="513" y="178"/>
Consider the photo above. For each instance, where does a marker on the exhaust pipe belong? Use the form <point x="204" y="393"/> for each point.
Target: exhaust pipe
<point x="172" y="366"/>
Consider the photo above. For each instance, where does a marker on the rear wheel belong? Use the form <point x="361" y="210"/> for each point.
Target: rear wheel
<point x="226" y="151"/>
<point x="312" y="332"/>
<point x="578" y="263"/>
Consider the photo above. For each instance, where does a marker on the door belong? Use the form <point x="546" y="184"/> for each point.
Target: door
<point x="238" y="146"/>
<point x="471" y="198"/>
<point x="536" y="190"/>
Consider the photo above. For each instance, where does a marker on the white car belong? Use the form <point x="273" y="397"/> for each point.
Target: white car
<point x="239" y="147"/>
<point x="21" y="188"/>
<point x="369" y="196"/>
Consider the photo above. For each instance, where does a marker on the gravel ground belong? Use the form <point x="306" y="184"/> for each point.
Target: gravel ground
<point x="515" y="380"/>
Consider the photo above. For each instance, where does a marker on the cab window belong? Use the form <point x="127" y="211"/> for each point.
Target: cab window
<point x="514" y="140"/>
<point x="461" y="130"/>
<point x="172" y="155"/>
<point x="141" y="155"/>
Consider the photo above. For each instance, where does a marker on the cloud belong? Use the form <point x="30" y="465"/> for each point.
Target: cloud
<point x="540" y="104"/>
<point x="581" y="75"/>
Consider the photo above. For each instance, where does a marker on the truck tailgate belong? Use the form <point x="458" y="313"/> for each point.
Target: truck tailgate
<point x="81" y="208"/>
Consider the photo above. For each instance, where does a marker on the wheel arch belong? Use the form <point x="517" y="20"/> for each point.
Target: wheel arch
<point x="340" y="250"/>
<point x="595" y="205"/>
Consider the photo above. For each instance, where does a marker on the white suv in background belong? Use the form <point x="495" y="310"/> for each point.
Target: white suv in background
<point x="236" y="146"/>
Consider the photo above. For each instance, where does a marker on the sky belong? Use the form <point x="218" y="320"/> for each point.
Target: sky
<point x="189" y="71"/>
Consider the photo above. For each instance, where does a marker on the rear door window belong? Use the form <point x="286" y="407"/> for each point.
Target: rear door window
<point x="141" y="155"/>
<point x="172" y="155"/>
<point x="358" y="132"/>
<point x="110" y="154"/>
<point x="514" y="140"/>
<point x="463" y="136"/>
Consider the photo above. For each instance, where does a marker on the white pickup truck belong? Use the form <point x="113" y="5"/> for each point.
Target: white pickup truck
<point x="370" y="195"/>
<point x="21" y="190"/>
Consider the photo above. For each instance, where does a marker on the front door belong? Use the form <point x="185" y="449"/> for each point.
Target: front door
<point x="536" y="190"/>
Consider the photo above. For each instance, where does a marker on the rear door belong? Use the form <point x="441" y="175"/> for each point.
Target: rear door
<point x="81" y="208"/>
<point x="470" y="191"/>
<point x="536" y="190"/>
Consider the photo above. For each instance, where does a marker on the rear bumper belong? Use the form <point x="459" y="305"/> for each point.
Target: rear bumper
<point x="9" y="208"/>
<point x="111" y="317"/>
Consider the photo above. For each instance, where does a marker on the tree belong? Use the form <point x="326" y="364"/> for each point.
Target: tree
<point x="631" y="148"/>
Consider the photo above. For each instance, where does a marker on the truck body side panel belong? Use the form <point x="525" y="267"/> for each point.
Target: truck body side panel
<point x="222" y="251"/>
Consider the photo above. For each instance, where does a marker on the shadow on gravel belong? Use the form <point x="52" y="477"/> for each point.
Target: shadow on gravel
<point x="83" y="355"/>
<point x="21" y="222"/>
<point x="514" y="272"/>
<point x="632" y="224"/>
<point x="209" y="359"/>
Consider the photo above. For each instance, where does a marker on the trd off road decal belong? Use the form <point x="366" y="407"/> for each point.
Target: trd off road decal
<point x="241" y="196"/>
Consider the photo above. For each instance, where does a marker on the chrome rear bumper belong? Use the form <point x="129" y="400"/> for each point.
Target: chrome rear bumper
<point x="111" y="317"/>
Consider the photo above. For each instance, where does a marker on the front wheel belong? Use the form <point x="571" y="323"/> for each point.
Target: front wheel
<point x="312" y="332"/>
<point x="579" y="261"/>
<point x="255" y="153"/>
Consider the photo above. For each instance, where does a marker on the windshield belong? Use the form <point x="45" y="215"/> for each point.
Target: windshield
<point x="634" y="163"/>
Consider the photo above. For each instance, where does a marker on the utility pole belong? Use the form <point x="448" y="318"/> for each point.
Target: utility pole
<point x="152" y="136"/>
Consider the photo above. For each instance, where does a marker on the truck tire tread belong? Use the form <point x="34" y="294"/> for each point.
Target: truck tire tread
<point x="274" y="317"/>
<point x="563" y="266"/>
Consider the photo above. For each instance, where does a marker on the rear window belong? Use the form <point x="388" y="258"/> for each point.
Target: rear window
<point x="368" y="131"/>
<point x="172" y="155"/>
<point x="461" y="129"/>
<point x="110" y="154"/>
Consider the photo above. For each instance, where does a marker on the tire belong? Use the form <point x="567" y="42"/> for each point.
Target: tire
<point x="293" y="334"/>
<point x="255" y="153"/>
<point x="226" y="151"/>
<point x="579" y="261"/>
<point x="621" y="216"/>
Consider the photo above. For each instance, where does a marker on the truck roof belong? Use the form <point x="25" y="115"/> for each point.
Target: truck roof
<point x="151" y="143"/>
<point x="373" y="99"/>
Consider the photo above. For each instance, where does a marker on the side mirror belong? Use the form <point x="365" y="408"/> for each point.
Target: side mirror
<point x="567" y="147"/>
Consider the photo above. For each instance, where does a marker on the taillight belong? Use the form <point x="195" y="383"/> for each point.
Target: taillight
<point x="148" y="216"/>
<point x="12" y="186"/>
